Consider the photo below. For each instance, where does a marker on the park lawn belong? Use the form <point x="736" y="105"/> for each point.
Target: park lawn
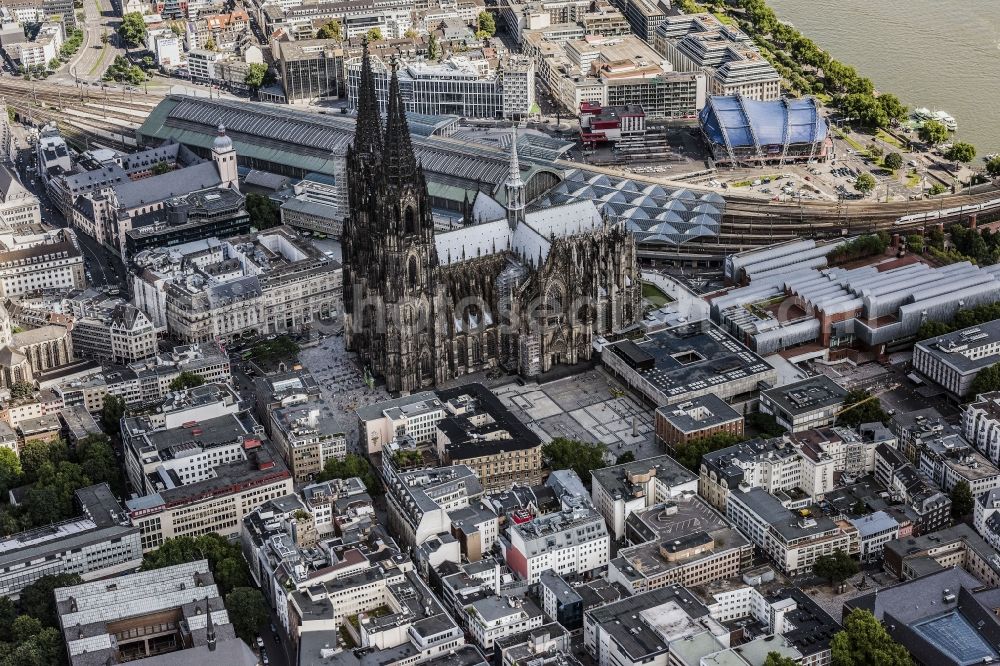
<point x="888" y="138"/>
<point x="654" y="295"/>
<point x="912" y="178"/>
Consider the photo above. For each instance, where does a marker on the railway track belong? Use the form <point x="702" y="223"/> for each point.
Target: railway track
<point x="88" y="115"/>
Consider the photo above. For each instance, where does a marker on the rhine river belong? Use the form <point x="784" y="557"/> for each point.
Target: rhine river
<point x="939" y="54"/>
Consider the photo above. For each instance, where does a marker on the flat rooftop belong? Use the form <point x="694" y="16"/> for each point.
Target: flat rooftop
<point x="697" y="356"/>
<point x="808" y="395"/>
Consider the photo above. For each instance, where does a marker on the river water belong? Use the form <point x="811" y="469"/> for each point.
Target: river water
<point x="939" y="54"/>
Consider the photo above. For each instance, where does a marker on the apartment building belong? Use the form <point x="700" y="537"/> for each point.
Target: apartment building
<point x="307" y="438"/>
<point x="419" y="500"/>
<point x="793" y="540"/>
<point x="727" y="55"/>
<point x="338" y="505"/>
<point x="572" y="542"/>
<point x="98" y="543"/>
<point x="770" y="464"/>
<point x="981" y="425"/>
<point x="949" y="459"/>
<point x="874" y="531"/>
<point x="931" y="508"/>
<point x="495" y="618"/>
<point x="142" y="382"/>
<point x="39" y="262"/>
<point x="620" y="490"/>
<point x="414" y="416"/>
<point x="19" y="208"/>
<point x="985" y="518"/>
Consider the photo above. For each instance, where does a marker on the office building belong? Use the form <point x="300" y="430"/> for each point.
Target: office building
<point x="704" y="416"/>
<point x="307" y="437"/>
<point x="952" y="361"/>
<point x="957" y="546"/>
<point x="315" y="205"/>
<point x="727" y="55"/>
<point x="650" y="628"/>
<point x="419" y="500"/>
<point x="684" y="541"/>
<point x="793" y="540"/>
<point x="19" y="208"/>
<point x="310" y="69"/>
<point x="171" y="616"/>
<point x="98" y="543"/>
<point x="810" y="403"/>
<point x="678" y="364"/>
<point x="458" y="85"/>
<point x="205" y="476"/>
<point x="42" y="262"/>
<point x="120" y="334"/>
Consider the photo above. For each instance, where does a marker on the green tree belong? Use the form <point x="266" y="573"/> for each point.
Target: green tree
<point x="932" y="132"/>
<point x="961" y="500"/>
<point x="38" y="599"/>
<point x="690" y="453"/>
<point x="247" y="611"/>
<point x="161" y="168"/>
<point x="868" y="409"/>
<point x="330" y="30"/>
<point x="55" y="64"/>
<point x="210" y="45"/>
<point x="865" y="642"/>
<point x="626" y="457"/>
<point x="486" y="24"/>
<point x="10" y="472"/>
<point x="97" y="461"/>
<point x="112" y="413"/>
<point x="778" y="659"/>
<point x="44" y="649"/>
<point x="433" y="50"/>
<point x="581" y="457"/>
<point x="256" y="75"/>
<point x="835" y="567"/>
<point x="264" y="214"/>
<point x="225" y="558"/>
<point x="36" y="453"/>
<point x="915" y="243"/>
<point x="893" y="161"/>
<point x="8" y="614"/>
<point x="865" y="183"/>
<point x="132" y="29"/>
<point x="374" y="34"/>
<point x="25" y="628"/>
<point x="894" y="109"/>
<point x="987" y="379"/>
<point x="186" y="380"/>
<point x="351" y="466"/>
<point x="865" y="109"/>
<point x="933" y="329"/>
<point x="993" y="167"/>
<point x="22" y="389"/>
<point x="763" y="425"/>
<point x="961" y="152"/>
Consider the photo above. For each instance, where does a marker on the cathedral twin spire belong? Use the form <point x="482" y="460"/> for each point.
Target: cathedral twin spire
<point x="393" y="150"/>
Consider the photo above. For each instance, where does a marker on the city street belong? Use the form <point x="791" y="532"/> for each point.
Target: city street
<point x="94" y="56"/>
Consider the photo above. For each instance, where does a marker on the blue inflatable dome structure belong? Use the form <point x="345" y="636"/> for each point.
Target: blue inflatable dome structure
<point x="741" y="130"/>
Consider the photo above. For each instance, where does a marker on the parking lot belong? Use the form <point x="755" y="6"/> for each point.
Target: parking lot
<point x="591" y="407"/>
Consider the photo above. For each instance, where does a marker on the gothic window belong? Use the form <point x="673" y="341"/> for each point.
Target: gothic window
<point x="491" y="344"/>
<point x="477" y="351"/>
<point x="461" y="357"/>
<point x="412" y="270"/>
<point x="553" y="304"/>
<point x="409" y="220"/>
<point x="426" y="367"/>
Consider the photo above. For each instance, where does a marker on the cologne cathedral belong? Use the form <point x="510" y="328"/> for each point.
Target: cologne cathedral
<point x="526" y="292"/>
